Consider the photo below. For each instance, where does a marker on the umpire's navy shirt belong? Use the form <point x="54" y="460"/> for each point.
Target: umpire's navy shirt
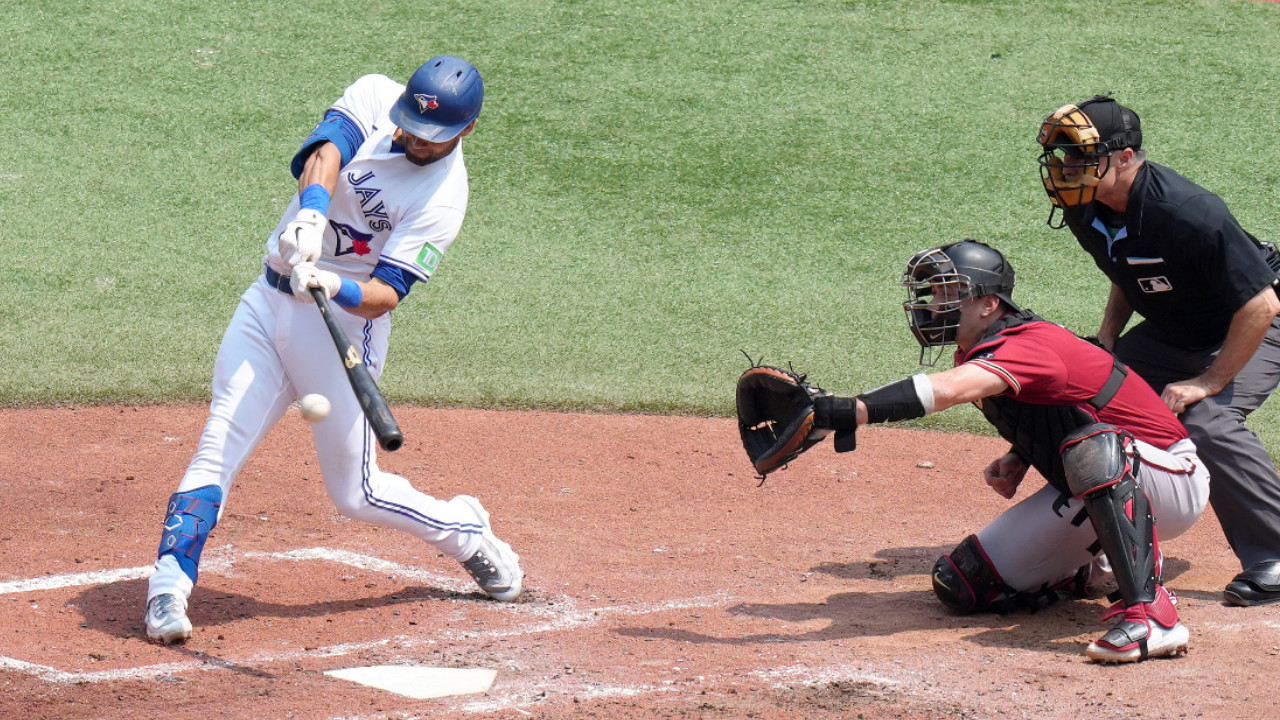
<point x="1178" y="255"/>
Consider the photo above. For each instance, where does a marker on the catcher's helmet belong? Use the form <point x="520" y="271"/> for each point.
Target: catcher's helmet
<point x="1074" y="139"/>
<point x="940" y="280"/>
<point x="440" y="100"/>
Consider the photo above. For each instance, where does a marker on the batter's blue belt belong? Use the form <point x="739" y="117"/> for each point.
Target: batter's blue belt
<point x="276" y="280"/>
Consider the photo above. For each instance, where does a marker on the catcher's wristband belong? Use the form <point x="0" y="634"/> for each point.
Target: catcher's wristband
<point x="839" y="414"/>
<point x="905" y="399"/>
<point x="835" y="413"/>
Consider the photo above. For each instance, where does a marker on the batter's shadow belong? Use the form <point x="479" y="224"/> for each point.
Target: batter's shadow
<point x="853" y="615"/>
<point x="116" y="609"/>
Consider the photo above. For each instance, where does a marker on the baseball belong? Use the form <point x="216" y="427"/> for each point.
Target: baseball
<point x="314" y="407"/>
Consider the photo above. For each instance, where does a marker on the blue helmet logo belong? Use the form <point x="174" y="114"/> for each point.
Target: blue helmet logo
<point x="440" y="100"/>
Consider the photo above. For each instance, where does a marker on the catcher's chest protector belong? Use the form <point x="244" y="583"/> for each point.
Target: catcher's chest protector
<point x="1036" y="432"/>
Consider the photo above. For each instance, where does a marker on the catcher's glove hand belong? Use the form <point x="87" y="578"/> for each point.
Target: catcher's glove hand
<point x="775" y="416"/>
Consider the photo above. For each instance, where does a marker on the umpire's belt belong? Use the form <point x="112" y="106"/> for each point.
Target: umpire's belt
<point x="276" y="280"/>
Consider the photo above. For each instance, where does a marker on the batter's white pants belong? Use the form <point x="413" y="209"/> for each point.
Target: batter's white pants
<point x="1031" y="544"/>
<point x="275" y="350"/>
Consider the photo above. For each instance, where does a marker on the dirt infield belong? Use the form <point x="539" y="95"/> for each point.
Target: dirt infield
<point x="663" y="583"/>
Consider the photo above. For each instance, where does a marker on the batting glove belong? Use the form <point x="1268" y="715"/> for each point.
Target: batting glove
<point x="302" y="239"/>
<point x="306" y="276"/>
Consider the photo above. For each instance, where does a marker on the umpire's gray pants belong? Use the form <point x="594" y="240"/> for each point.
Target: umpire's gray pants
<point x="1244" y="488"/>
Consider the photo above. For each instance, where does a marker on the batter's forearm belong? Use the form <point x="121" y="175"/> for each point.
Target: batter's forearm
<point x="377" y="299"/>
<point x="321" y="168"/>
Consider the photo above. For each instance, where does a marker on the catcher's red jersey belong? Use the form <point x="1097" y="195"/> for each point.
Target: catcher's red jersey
<point x="1046" y="364"/>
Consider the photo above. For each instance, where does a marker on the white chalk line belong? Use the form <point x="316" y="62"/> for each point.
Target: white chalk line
<point x="55" y="582"/>
<point x="224" y="559"/>
<point x="564" y="615"/>
<point x="570" y="621"/>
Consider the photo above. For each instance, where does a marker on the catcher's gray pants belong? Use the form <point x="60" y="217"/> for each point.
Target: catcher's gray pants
<point x="1244" y="486"/>
<point x="1040" y="541"/>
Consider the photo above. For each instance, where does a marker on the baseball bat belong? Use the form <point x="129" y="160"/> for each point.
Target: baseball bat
<point x="371" y="401"/>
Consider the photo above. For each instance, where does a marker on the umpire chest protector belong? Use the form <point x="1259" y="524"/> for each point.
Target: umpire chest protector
<point x="1035" y="432"/>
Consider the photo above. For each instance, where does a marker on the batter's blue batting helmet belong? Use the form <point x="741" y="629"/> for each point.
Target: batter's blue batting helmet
<point x="440" y="100"/>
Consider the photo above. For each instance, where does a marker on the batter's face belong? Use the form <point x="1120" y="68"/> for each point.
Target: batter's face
<point x="421" y="152"/>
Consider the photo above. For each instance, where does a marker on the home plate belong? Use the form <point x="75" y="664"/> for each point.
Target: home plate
<point x="420" y="682"/>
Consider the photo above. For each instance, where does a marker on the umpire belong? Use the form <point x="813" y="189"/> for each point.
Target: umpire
<point x="1209" y="339"/>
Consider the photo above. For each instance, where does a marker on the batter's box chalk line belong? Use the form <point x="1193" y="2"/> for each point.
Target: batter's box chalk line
<point x="568" y="614"/>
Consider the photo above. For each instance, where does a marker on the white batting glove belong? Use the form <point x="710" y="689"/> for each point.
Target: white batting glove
<point x="302" y="239"/>
<point x="306" y="276"/>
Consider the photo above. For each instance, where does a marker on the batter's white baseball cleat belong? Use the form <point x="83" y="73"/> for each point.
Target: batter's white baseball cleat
<point x="495" y="566"/>
<point x="167" y="619"/>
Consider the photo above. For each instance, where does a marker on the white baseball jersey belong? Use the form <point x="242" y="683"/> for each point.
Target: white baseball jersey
<point x="385" y="209"/>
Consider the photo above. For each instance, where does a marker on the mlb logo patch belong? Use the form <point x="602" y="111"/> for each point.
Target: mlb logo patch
<point x="426" y="102"/>
<point x="1156" y="284"/>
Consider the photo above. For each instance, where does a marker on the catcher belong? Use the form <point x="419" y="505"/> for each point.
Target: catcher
<point x="1115" y="457"/>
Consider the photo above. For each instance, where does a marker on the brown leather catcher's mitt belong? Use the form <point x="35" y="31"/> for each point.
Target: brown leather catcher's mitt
<point x="775" y="416"/>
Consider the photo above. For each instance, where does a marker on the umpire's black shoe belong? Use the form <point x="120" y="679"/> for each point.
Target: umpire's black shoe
<point x="1258" y="585"/>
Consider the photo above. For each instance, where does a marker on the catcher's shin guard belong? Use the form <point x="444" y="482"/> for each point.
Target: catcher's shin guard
<point x="965" y="580"/>
<point x="188" y="520"/>
<point x="1099" y="462"/>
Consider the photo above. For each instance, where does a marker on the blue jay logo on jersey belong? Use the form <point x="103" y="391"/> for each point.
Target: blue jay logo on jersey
<point x="426" y="102"/>
<point x="350" y="240"/>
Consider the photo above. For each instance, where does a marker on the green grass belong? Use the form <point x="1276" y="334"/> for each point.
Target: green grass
<point x="656" y="186"/>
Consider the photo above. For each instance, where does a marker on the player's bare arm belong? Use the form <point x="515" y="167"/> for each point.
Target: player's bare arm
<point x="965" y="383"/>
<point x="377" y="299"/>
<point x="302" y="240"/>
<point x="1248" y="327"/>
<point x="321" y="168"/>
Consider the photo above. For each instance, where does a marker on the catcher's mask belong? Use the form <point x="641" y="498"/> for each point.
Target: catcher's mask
<point x="1074" y="139"/>
<point x="939" y="281"/>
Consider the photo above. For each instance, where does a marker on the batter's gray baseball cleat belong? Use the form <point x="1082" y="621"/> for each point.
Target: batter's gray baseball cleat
<point x="167" y="619"/>
<point x="495" y="566"/>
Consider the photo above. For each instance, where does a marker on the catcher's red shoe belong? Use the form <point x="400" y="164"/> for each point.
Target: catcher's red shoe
<point x="1145" y="630"/>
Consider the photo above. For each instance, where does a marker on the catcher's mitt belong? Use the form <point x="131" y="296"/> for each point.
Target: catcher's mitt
<point x="775" y="416"/>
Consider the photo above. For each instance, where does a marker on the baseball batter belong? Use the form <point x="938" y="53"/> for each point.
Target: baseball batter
<point x="1116" y="457"/>
<point x="382" y="191"/>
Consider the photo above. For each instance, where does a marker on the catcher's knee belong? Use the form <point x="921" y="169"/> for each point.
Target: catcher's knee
<point x="965" y="580"/>
<point x="1096" y="457"/>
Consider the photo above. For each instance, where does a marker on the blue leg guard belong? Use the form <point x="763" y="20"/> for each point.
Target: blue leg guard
<point x="191" y="515"/>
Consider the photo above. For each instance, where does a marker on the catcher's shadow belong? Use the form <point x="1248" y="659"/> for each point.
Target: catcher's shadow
<point x="852" y="615"/>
